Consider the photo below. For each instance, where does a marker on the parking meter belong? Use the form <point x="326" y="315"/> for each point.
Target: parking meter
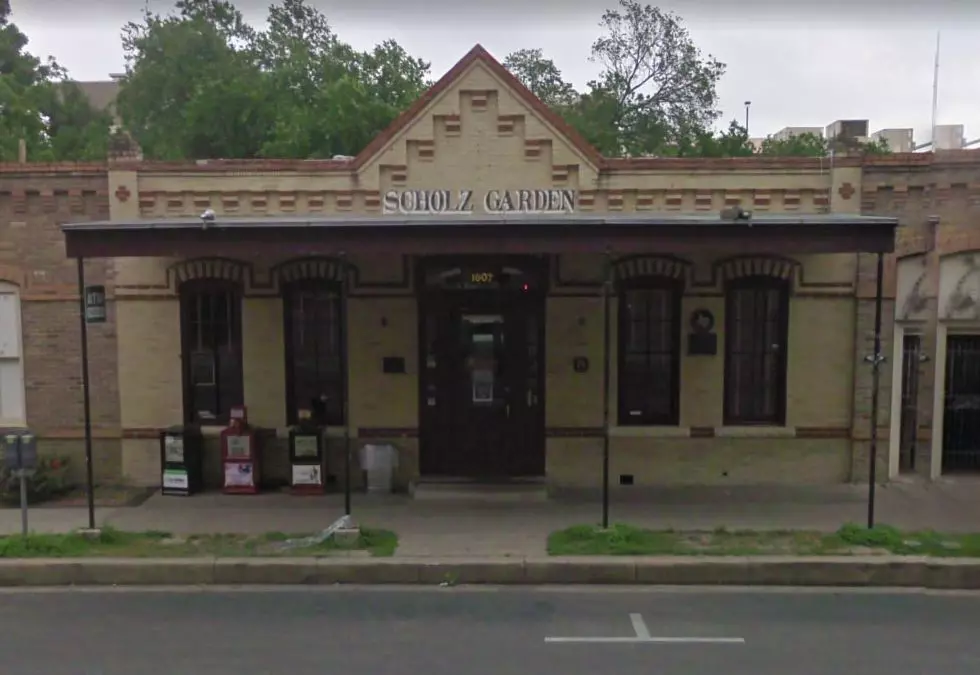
<point x="11" y="451"/>
<point x="20" y="450"/>
<point x="20" y="456"/>
<point x="28" y="451"/>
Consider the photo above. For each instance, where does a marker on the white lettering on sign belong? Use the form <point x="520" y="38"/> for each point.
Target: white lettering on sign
<point x="460" y="202"/>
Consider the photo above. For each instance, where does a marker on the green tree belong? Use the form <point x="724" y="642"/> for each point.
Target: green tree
<point x="800" y="145"/>
<point x="813" y="145"/>
<point x="657" y="75"/>
<point x="656" y="93"/>
<point x="733" y="142"/>
<point x="41" y="106"/>
<point x="202" y="83"/>
<point x="879" y="147"/>
<point x="542" y="77"/>
<point x="193" y="86"/>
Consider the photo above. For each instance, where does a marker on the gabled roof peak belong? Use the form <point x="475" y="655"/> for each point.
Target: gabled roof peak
<point x="480" y="54"/>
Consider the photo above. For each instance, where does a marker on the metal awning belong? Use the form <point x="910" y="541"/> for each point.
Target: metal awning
<point x="480" y="233"/>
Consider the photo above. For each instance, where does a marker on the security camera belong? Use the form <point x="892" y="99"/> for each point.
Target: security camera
<point x="207" y="218"/>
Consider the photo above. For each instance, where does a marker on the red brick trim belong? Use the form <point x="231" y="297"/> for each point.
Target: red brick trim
<point x="634" y="267"/>
<point x="209" y="268"/>
<point x="574" y="432"/>
<point x="302" y="269"/>
<point x="141" y="434"/>
<point x="752" y="265"/>
<point x="823" y="432"/>
<point x="387" y="432"/>
<point x="70" y="434"/>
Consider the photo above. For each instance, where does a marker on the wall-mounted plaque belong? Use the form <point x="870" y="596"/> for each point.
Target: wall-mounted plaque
<point x="393" y="365"/>
<point x="702" y="341"/>
<point x="95" y="311"/>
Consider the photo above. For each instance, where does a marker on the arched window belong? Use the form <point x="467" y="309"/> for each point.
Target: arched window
<point x="649" y="351"/>
<point x="211" y="337"/>
<point x="756" y="329"/>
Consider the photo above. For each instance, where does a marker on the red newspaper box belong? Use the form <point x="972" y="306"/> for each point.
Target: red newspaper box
<point x="239" y="455"/>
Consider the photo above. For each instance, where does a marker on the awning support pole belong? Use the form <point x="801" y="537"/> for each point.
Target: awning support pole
<point x="86" y="402"/>
<point x="875" y="359"/>
<point x="606" y="364"/>
<point x="345" y="368"/>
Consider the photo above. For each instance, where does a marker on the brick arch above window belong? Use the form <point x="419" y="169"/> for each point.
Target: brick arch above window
<point x="319" y="268"/>
<point x="742" y="267"/>
<point x="12" y="276"/>
<point x="220" y="269"/>
<point x="650" y="266"/>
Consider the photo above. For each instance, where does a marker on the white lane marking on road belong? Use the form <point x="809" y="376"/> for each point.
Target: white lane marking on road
<point x="639" y="626"/>
<point x="643" y="637"/>
<point x="638" y="640"/>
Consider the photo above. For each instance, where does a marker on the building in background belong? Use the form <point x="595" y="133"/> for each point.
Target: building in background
<point x="949" y="137"/>
<point x="898" y="140"/>
<point x="787" y="133"/>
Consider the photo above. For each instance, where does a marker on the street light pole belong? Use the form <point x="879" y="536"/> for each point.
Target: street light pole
<point x="747" y="105"/>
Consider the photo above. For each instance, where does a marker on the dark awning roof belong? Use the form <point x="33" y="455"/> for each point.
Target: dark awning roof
<point x="480" y="233"/>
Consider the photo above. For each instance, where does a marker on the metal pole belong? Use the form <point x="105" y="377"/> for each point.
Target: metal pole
<point x="86" y="403"/>
<point x="344" y="270"/>
<point x="876" y="360"/>
<point x="606" y="342"/>
<point x="23" y="502"/>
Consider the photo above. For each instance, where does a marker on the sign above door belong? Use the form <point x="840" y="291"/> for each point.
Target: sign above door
<point x="462" y="202"/>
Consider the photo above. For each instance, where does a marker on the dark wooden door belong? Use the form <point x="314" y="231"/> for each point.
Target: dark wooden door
<point x="481" y="386"/>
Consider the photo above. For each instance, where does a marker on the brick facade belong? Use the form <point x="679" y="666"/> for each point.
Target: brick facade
<point x="35" y="200"/>
<point x="936" y="197"/>
<point x="481" y="114"/>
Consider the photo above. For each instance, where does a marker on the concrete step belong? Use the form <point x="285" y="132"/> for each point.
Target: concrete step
<point x="480" y="492"/>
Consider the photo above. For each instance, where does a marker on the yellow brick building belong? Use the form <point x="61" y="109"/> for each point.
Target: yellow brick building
<point x="472" y="285"/>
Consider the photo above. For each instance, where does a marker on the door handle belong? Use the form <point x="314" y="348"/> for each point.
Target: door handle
<point x="507" y="410"/>
<point x="531" y="399"/>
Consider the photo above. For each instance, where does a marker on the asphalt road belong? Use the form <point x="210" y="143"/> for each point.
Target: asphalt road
<point x="461" y="631"/>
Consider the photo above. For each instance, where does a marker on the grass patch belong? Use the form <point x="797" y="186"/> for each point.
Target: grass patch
<point x="112" y="543"/>
<point x="850" y="539"/>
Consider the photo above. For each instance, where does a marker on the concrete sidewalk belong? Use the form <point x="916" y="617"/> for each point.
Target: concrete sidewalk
<point x="467" y="529"/>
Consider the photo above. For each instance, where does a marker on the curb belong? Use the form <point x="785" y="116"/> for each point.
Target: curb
<point x="906" y="572"/>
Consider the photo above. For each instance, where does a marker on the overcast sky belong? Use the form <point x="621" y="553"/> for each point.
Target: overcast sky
<point x="799" y="63"/>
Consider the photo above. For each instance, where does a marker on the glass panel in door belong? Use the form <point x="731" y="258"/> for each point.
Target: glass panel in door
<point x="483" y="395"/>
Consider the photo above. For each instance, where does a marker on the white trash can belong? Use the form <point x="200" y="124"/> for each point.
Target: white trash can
<point x="379" y="463"/>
